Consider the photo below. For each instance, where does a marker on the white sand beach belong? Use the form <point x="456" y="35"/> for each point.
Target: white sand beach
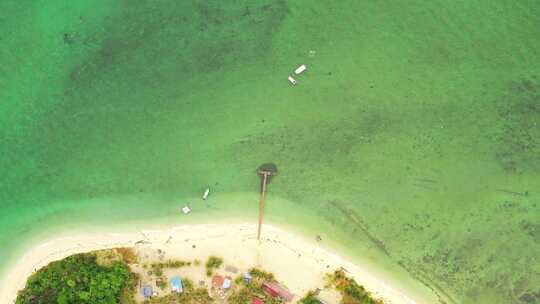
<point x="295" y="260"/>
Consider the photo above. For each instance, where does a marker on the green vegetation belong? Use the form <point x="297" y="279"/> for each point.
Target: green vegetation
<point x="213" y="263"/>
<point x="190" y="295"/>
<point x="261" y="275"/>
<point x="244" y="292"/>
<point x="171" y="264"/>
<point x="128" y="255"/>
<point x="187" y="284"/>
<point x="157" y="270"/>
<point x="351" y="292"/>
<point x="310" y="298"/>
<point x="80" y="279"/>
<point x="195" y="296"/>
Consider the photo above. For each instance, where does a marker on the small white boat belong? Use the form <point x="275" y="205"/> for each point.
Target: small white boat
<point x="292" y="81"/>
<point x="299" y="70"/>
<point x="205" y="194"/>
<point x="186" y="210"/>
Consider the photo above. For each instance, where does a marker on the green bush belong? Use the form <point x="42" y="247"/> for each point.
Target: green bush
<point x="310" y="298"/>
<point x="351" y="292"/>
<point x="213" y="263"/>
<point x="261" y="274"/>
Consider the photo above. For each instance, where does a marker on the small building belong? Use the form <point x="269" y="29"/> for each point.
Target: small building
<point x="256" y="300"/>
<point x="217" y="281"/>
<point x="146" y="291"/>
<point x="227" y="282"/>
<point x="176" y="285"/>
<point x="275" y="290"/>
<point x="247" y="277"/>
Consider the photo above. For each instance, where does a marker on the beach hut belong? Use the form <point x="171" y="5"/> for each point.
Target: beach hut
<point x="227" y="282"/>
<point x="176" y="285"/>
<point x="275" y="290"/>
<point x="247" y="277"/>
<point x="256" y="300"/>
<point x="146" y="291"/>
<point x="217" y="281"/>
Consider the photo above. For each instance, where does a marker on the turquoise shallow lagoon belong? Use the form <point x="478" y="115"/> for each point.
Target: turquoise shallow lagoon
<point x="413" y="139"/>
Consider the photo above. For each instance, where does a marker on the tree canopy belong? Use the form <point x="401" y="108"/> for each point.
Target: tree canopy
<point x="77" y="279"/>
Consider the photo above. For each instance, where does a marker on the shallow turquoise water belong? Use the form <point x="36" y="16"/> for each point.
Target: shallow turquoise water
<point x="413" y="138"/>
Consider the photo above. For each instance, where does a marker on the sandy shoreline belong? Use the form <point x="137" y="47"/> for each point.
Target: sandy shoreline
<point x="295" y="260"/>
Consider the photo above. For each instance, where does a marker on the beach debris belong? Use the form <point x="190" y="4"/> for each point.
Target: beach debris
<point x="205" y="194"/>
<point x="292" y="80"/>
<point x="318" y="238"/>
<point x="142" y="242"/>
<point x="299" y="70"/>
<point x="186" y="210"/>
<point x="161" y="254"/>
<point x="144" y="235"/>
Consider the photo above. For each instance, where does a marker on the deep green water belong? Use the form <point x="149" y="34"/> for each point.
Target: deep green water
<point x="413" y="139"/>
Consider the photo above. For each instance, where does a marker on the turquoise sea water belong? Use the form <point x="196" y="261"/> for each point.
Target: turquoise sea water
<point x="413" y="140"/>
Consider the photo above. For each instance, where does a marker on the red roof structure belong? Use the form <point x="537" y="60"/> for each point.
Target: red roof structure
<point x="276" y="290"/>
<point x="256" y="300"/>
<point x="217" y="281"/>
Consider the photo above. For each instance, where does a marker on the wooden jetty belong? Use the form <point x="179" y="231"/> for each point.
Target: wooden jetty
<point x="266" y="171"/>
